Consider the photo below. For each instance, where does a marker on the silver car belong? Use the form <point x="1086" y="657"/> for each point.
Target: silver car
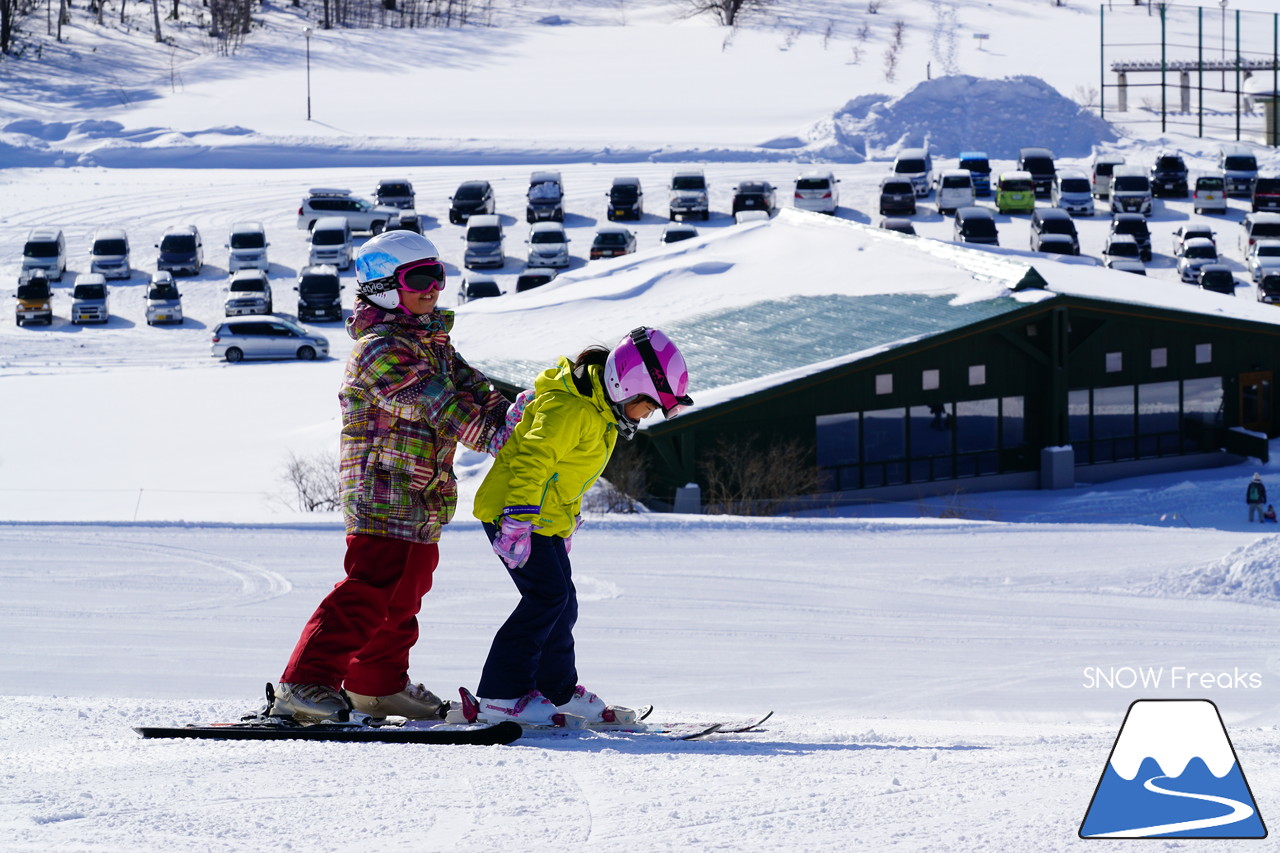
<point x="248" y="293"/>
<point x="266" y="337"/>
<point x="164" y="302"/>
<point x="548" y="245"/>
<point x="89" y="299"/>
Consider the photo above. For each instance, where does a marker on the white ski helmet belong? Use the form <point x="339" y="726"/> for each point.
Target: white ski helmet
<point x="379" y="258"/>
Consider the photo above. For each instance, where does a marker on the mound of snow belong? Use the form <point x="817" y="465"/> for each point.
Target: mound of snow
<point x="1250" y="573"/>
<point x="954" y="114"/>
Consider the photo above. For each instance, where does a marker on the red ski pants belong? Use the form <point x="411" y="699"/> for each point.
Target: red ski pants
<point x="360" y="635"/>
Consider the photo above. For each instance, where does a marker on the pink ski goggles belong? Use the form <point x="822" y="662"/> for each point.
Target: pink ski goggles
<point x="420" y="276"/>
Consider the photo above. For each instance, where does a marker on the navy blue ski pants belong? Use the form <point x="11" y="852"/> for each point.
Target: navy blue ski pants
<point x="534" y="648"/>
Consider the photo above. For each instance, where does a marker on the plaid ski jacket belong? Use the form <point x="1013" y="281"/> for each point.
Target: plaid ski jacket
<point x="407" y="398"/>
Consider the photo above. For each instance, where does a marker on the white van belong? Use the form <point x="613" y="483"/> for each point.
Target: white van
<point x="109" y="254"/>
<point x="46" y="251"/>
<point x="1130" y="190"/>
<point x="915" y="165"/>
<point x="1239" y="167"/>
<point x="247" y="247"/>
<point x="331" y="242"/>
<point x="484" y="242"/>
<point x="816" y="191"/>
<point x="955" y="190"/>
<point x="1100" y="173"/>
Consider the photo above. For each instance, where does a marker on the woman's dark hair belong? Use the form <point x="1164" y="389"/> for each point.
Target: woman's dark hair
<point x="591" y="356"/>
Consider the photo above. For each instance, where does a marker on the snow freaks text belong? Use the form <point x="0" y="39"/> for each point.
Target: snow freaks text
<point x="1172" y="678"/>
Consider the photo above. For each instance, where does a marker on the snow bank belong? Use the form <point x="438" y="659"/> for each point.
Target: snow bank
<point x="1250" y="573"/>
<point x="954" y="114"/>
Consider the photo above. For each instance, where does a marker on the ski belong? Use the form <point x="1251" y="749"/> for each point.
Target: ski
<point x="409" y="732"/>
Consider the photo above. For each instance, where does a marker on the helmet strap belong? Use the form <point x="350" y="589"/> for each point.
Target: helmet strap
<point x="640" y="337"/>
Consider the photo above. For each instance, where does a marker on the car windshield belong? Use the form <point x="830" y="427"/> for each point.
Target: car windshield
<point x="313" y="285"/>
<point x="956" y="182"/>
<point x="469" y="192"/>
<point x="1209" y="184"/>
<point x="1132" y="184"/>
<point x="1058" y="226"/>
<point x="327" y="237"/>
<point x="110" y="247"/>
<point x="40" y="249"/>
<point x="981" y="166"/>
<point x="484" y="234"/>
<point x="544" y="190"/>
<point x="248" y="285"/>
<point x="980" y="228"/>
<point x="178" y="243"/>
<point x="624" y="193"/>
<point x="611" y="238"/>
<point x="1170" y="164"/>
<point x="547" y="237"/>
<point x="1201" y="252"/>
<point x="1123" y="249"/>
<point x="1075" y="185"/>
<point x="676" y="234"/>
<point x="1016" y="185"/>
<point x="1270" y="285"/>
<point x="898" y="188"/>
<point x="34" y="290"/>
<point x="1269" y="186"/>
<point x="1265" y="229"/>
<point x="163" y="291"/>
<point x="394" y="189"/>
<point x="688" y="182"/>
<point x="90" y="291"/>
<point x="1217" y="277"/>
<point x="1136" y="227"/>
<point x="909" y="167"/>
<point x="1056" y="244"/>
<point x="1038" y="165"/>
<point x="813" y="184"/>
<point x="1241" y="163"/>
<point x="248" y="240"/>
<point x="1267" y="251"/>
<point x="482" y="288"/>
<point x="1104" y="169"/>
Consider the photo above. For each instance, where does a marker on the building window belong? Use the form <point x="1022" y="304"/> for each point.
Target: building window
<point x="884" y="383"/>
<point x="1013" y="421"/>
<point x="1204" y="353"/>
<point x="1115" y="362"/>
<point x="977" y="374"/>
<point x="929" y="380"/>
<point x="1159" y="357"/>
<point x="837" y="440"/>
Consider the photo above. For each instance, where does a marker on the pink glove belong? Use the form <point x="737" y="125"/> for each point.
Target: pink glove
<point x="513" y="543"/>
<point x="568" y="540"/>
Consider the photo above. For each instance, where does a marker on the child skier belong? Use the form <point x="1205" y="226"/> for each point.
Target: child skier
<point x="1255" y="495"/>
<point x="530" y="503"/>
<point x="407" y="399"/>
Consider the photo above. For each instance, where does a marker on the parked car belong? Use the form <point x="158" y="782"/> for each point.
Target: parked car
<point x="1039" y="162"/>
<point x="1015" y="192"/>
<point x="109" y="253"/>
<point x="816" y="190"/>
<point x="626" y="199"/>
<point x="916" y="166"/>
<point x="548" y="245"/>
<point x="406" y="220"/>
<point x="687" y="195"/>
<point x="534" y="277"/>
<point x="45" y="250"/>
<point x="975" y="225"/>
<point x="611" y="241"/>
<point x="1169" y="176"/>
<point x="1122" y="253"/>
<point x="1130" y="190"/>
<point x="544" y="200"/>
<point x="394" y="192"/>
<point x="1239" y="168"/>
<point x="1071" y="192"/>
<point x="1196" y="252"/>
<point x="471" y="198"/>
<point x="248" y="292"/>
<point x="319" y="293"/>
<point x="1135" y="225"/>
<point x="1183" y="233"/>
<point x="362" y="214"/>
<point x="1053" y="221"/>
<point x="677" y="231"/>
<point x="477" y="286"/>
<point x="902" y="226"/>
<point x="1209" y="194"/>
<point x="331" y="242"/>
<point x="90" y="299"/>
<point x="484" y="242"/>
<point x="954" y="190"/>
<point x="34" y="300"/>
<point x="1056" y="244"/>
<point x="1258" y="226"/>
<point x="247" y="247"/>
<point x="1218" y="278"/>
<point x="754" y="195"/>
<point x="1266" y="194"/>
<point x="1262" y="259"/>
<point x="164" y="302"/>
<point x="266" y="337"/>
<point x="897" y="197"/>
<point x="1101" y="171"/>
<point x="181" y="250"/>
<point x="979" y="167"/>
<point x="1269" y="289"/>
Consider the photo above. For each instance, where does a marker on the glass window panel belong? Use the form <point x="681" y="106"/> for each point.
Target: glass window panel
<point x="931" y="430"/>
<point x="929" y="380"/>
<point x="1113" y="411"/>
<point x="1202" y="399"/>
<point x="977" y="425"/>
<point x="1160" y="357"/>
<point x="1014" y="422"/>
<point x="884" y="383"/>
<point x="1115" y="362"/>
<point x="837" y="439"/>
<point x="1078" y="415"/>
<point x="884" y="434"/>
<point x="1158" y="407"/>
<point x="1204" y="353"/>
<point x="977" y="374"/>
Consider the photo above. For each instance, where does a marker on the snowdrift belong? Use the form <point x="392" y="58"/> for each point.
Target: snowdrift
<point x="1250" y="574"/>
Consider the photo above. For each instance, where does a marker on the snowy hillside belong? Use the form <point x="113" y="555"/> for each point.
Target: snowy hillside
<point x="947" y="674"/>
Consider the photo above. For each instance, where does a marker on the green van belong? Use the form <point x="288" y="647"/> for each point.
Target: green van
<point x="1015" y="193"/>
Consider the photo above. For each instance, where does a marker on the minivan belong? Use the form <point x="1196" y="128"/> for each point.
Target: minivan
<point x="266" y="337"/>
<point x="1039" y="162"/>
<point x="247" y="247"/>
<point x="109" y="253"/>
<point x="89" y="299"/>
<point x="1209" y="194"/>
<point x="483" y="242"/>
<point x="181" y="250"/>
<point x="955" y="190"/>
<point x="1015" y="192"/>
<point x="319" y="293"/>
<point x="687" y="195"/>
<point x="1266" y="194"/>
<point x="1258" y="226"/>
<point x="548" y="245"/>
<point x="331" y="242"/>
<point x="1103" y="166"/>
<point x="897" y="196"/>
<point x="976" y="225"/>
<point x="545" y="198"/>
<point x="394" y="192"/>
<point x="915" y="165"/>
<point x="626" y="199"/>
<point x="1053" y="220"/>
<point x="817" y="191"/>
<point x="471" y="198"/>
<point x="977" y="164"/>
<point x="1072" y="192"/>
<point x="45" y="250"/>
<point x="249" y="292"/>
<point x="164" y="302"/>
<point x="1130" y="190"/>
<point x="1239" y="168"/>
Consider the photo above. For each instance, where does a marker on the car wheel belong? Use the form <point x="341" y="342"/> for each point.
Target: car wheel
<point x="234" y="354"/>
<point x="377" y="228"/>
<point x="306" y="353"/>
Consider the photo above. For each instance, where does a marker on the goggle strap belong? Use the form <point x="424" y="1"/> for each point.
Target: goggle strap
<point x="640" y="337"/>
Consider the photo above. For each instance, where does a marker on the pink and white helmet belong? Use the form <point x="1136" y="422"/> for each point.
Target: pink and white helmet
<point x="646" y="363"/>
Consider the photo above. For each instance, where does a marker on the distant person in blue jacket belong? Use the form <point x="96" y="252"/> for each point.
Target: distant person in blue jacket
<point x="1255" y="496"/>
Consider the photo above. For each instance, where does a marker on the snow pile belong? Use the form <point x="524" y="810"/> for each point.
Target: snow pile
<point x="1250" y="573"/>
<point x="954" y="114"/>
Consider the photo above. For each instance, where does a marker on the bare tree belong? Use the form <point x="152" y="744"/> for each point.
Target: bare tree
<point x="155" y="15"/>
<point x="315" y="482"/>
<point x="753" y="476"/>
<point x="11" y="14"/>
<point x="727" y="12"/>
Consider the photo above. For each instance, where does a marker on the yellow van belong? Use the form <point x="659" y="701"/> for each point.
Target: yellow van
<point x="1015" y="192"/>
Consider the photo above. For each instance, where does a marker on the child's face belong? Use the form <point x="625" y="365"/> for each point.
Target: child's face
<point x="419" y="301"/>
<point x="640" y="408"/>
